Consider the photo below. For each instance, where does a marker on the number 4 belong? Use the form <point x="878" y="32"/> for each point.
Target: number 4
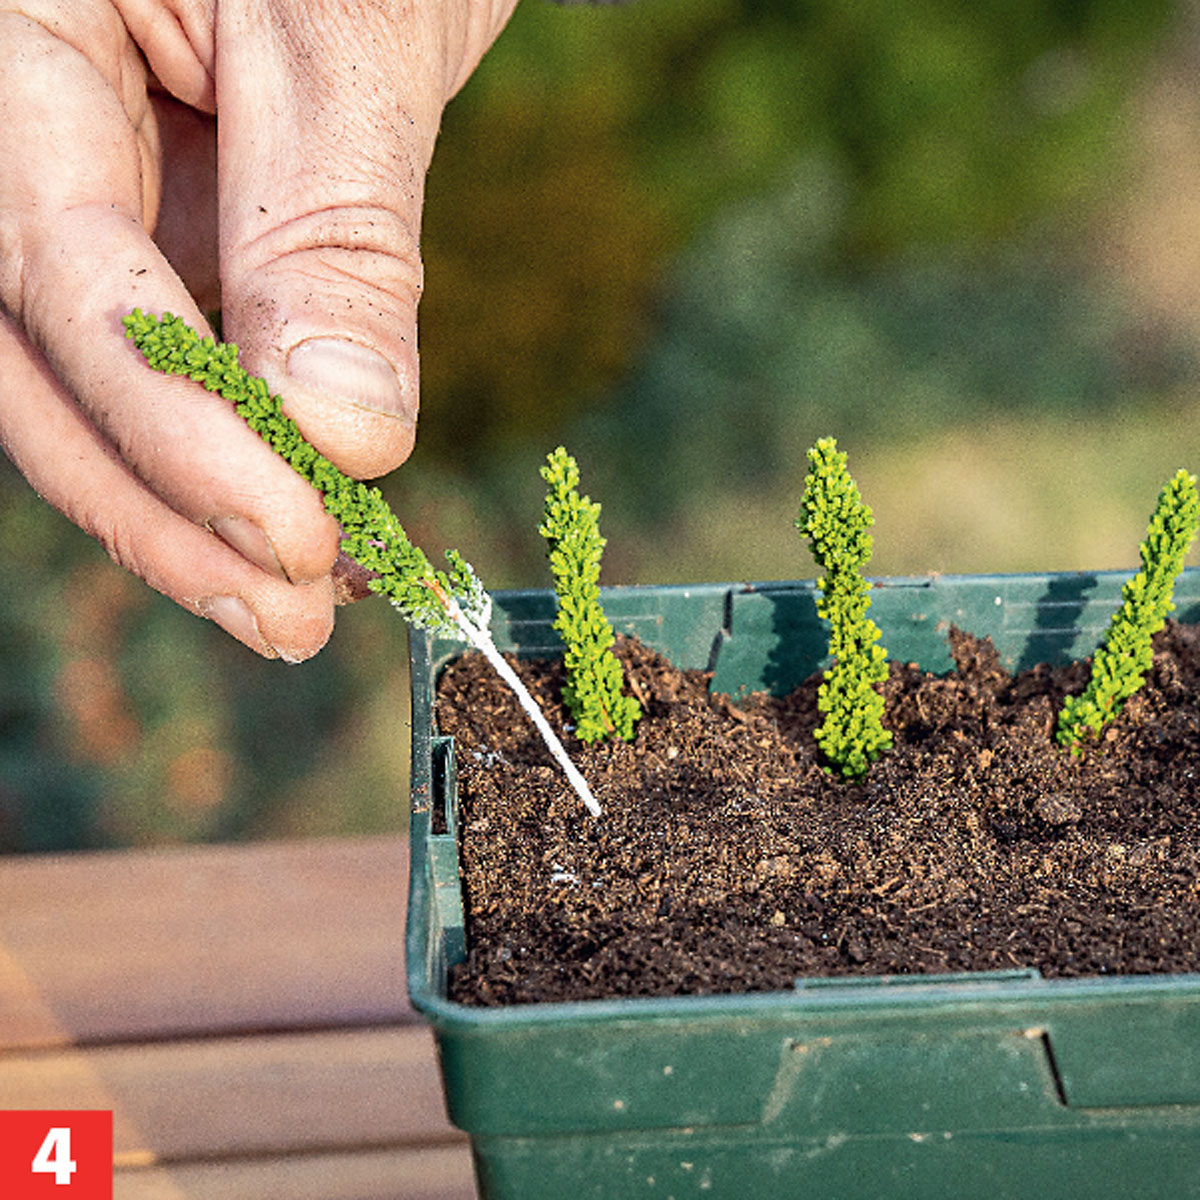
<point x="54" y="1155"/>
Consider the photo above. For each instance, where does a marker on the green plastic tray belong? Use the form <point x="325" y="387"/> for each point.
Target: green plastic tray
<point x="985" y="1085"/>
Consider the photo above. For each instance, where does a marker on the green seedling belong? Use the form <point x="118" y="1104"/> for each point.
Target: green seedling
<point x="571" y="528"/>
<point x="451" y="603"/>
<point x="835" y="520"/>
<point x="1119" y="666"/>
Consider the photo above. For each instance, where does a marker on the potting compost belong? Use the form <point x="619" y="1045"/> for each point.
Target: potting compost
<point x="728" y="860"/>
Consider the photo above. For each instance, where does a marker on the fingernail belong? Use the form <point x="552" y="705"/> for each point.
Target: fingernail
<point x="233" y="616"/>
<point x="248" y="540"/>
<point x="347" y="371"/>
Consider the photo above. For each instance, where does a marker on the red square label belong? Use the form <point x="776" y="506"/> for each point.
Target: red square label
<point x="68" y="1155"/>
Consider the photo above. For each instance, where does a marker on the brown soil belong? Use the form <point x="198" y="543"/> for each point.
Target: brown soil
<point x="728" y="860"/>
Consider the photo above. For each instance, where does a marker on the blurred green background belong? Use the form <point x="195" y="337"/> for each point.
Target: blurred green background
<point x="687" y="238"/>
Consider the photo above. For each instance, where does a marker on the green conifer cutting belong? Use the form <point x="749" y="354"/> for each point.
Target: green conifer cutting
<point x="571" y="528"/>
<point x="1120" y="664"/>
<point x="449" y="603"/>
<point x="835" y="520"/>
<point x="371" y="533"/>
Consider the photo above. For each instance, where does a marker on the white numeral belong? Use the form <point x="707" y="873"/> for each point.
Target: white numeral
<point x="54" y="1156"/>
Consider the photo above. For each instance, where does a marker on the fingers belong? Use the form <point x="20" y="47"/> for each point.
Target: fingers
<point x="176" y="38"/>
<point x="80" y="259"/>
<point x="188" y="445"/>
<point x="329" y="113"/>
<point x="74" y="258"/>
<point x="72" y="467"/>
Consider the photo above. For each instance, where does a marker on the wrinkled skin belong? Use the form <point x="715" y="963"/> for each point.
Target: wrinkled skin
<point x="301" y="220"/>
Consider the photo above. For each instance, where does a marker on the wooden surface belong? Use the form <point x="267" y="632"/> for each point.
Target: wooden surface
<point x="242" y="1011"/>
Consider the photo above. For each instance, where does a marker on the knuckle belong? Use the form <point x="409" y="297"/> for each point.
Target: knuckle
<point x="358" y="263"/>
<point x="123" y="545"/>
<point x="367" y="234"/>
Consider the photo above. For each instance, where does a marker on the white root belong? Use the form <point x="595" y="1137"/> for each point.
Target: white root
<point x="479" y="637"/>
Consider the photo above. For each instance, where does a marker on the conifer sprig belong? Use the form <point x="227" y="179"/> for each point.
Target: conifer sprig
<point x="571" y="528"/>
<point x="835" y="520"/>
<point x="371" y="533"/>
<point x="1119" y="666"/>
<point x="450" y="603"/>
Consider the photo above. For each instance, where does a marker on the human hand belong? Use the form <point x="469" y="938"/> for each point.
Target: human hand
<point x="301" y="221"/>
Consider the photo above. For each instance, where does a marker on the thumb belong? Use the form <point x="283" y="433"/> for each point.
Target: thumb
<point x="327" y="117"/>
